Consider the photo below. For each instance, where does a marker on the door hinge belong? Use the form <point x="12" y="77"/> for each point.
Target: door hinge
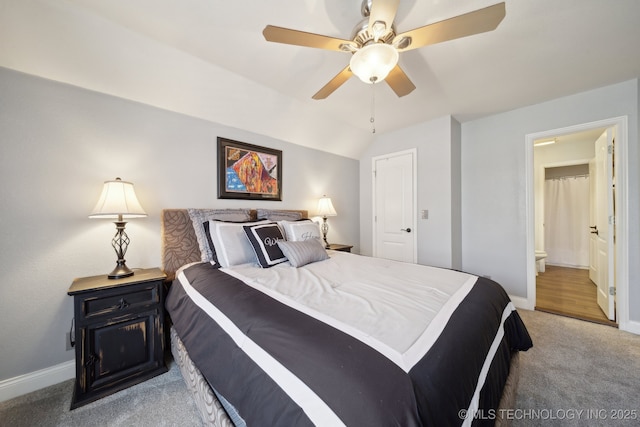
<point x="610" y="149"/>
<point x="612" y="220"/>
<point x="612" y="290"/>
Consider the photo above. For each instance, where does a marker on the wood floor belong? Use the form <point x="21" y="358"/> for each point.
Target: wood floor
<point x="569" y="292"/>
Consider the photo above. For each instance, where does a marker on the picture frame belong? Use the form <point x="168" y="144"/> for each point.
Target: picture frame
<point x="247" y="171"/>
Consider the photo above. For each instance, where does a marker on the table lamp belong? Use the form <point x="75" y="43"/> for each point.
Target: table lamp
<point x="118" y="200"/>
<point x="325" y="209"/>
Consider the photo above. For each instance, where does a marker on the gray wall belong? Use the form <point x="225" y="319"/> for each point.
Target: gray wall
<point x="494" y="228"/>
<point x="58" y="144"/>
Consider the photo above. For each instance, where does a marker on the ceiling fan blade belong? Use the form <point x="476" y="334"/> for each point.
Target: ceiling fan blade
<point x="478" y="21"/>
<point x="301" y="38"/>
<point x="383" y="11"/>
<point x="334" y="83"/>
<point x="399" y="82"/>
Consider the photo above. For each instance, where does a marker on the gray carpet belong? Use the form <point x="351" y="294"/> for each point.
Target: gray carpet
<point x="160" y="401"/>
<point x="577" y="366"/>
<point x="574" y="366"/>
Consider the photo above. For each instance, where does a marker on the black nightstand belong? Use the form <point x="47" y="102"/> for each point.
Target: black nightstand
<point x="119" y="333"/>
<point x="340" y="247"/>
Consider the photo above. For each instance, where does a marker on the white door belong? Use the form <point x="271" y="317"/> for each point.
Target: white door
<point x="593" y="218"/>
<point x="394" y="222"/>
<point x="602" y="230"/>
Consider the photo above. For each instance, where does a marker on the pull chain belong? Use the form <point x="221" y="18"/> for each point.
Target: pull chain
<point x="373" y="108"/>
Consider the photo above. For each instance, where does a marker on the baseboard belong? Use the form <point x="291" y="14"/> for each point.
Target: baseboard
<point x="23" y="384"/>
<point x="631" y="326"/>
<point x="522" y="303"/>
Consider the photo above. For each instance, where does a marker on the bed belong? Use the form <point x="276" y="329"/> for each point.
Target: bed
<point x="339" y="340"/>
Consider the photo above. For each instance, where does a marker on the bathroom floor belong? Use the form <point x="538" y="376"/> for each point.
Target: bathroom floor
<point x="569" y="292"/>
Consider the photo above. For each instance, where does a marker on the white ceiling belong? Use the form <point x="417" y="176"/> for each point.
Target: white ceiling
<point x="208" y="59"/>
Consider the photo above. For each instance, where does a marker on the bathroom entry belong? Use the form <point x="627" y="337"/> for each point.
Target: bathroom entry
<point x="571" y="210"/>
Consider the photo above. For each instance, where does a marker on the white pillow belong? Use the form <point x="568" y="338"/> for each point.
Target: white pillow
<point x="200" y="216"/>
<point x="303" y="252"/>
<point x="231" y="243"/>
<point x="296" y="231"/>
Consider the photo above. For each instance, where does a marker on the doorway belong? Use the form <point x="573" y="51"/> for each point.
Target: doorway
<point x="565" y="212"/>
<point x="618" y="269"/>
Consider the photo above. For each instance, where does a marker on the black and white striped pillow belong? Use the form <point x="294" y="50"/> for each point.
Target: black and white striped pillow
<point x="303" y="252"/>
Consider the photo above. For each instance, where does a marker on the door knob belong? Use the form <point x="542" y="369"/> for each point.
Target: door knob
<point x="408" y="230"/>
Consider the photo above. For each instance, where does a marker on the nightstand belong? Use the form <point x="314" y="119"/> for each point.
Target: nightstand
<point x="119" y="336"/>
<point x="340" y="247"/>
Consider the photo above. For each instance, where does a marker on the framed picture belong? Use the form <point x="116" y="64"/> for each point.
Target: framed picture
<point x="247" y="171"/>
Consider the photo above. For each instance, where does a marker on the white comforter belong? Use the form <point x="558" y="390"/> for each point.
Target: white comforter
<point x="397" y="308"/>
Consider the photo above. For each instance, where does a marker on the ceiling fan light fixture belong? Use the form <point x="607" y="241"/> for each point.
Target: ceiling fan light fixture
<point x="375" y="44"/>
<point x="373" y="62"/>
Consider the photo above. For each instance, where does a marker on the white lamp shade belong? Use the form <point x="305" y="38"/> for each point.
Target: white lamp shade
<point x="325" y="207"/>
<point x="373" y="62"/>
<point x="118" y="198"/>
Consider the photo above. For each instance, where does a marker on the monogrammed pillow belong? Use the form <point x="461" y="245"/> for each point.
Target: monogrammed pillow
<point x="301" y="230"/>
<point x="264" y="239"/>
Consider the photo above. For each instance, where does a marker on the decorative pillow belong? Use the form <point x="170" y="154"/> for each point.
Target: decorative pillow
<point x="301" y="230"/>
<point x="214" y="258"/>
<point x="303" y="252"/>
<point x="230" y="242"/>
<point x="207" y="230"/>
<point x="200" y="216"/>
<point x="275" y="215"/>
<point x="264" y="239"/>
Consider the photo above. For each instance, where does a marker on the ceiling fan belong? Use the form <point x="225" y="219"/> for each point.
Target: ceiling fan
<point x="375" y="45"/>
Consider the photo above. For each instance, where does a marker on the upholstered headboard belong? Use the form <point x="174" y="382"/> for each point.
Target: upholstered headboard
<point x="179" y="245"/>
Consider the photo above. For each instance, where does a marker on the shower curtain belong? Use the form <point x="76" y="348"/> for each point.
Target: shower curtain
<point x="566" y="221"/>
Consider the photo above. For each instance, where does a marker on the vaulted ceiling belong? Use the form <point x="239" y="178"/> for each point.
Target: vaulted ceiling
<point x="208" y="59"/>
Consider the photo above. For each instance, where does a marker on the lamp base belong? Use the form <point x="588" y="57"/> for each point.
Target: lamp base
<point x="121" y="271"/>
<point x="324" y="227"/>
<point x="120" y="243"/>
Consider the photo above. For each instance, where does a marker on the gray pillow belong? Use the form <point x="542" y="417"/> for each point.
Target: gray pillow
<point x="276" y="215"/>
<point x="303" y="252"/>
<point x="200" y="216"/>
